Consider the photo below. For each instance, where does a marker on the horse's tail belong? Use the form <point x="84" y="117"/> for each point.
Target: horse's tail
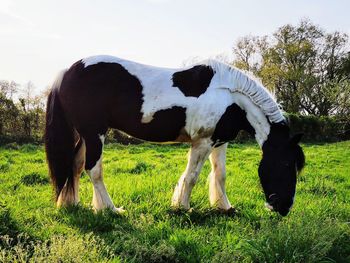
<point x="59" y="142"/>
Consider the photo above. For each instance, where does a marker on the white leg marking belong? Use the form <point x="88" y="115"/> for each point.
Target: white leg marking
<point x="101" y="198"/>
<point x="67" y="197"/>
<point x="217" y="178"/>
<point x="197" y="155"/>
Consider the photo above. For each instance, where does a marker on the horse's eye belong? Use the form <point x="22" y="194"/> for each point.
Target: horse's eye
<point x="286" y="164"/>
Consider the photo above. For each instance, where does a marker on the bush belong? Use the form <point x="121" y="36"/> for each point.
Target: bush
<point x="320" y="129"/>
<point x="9" y="140"/>
<point x="315" y="129"/>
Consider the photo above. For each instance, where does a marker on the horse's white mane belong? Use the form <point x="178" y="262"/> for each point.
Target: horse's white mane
<point x="241" y="82"/>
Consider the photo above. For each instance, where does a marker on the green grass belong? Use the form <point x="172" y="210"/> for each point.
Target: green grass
<point x="141" y="178"/>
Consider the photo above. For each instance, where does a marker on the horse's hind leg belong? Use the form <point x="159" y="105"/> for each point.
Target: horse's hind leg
<point x="70" y="195"/>
<point x="217" y="178"/>
<point x="93" y="166"/>
<point x="198" y="154"/>
<point x="78" y="166"/>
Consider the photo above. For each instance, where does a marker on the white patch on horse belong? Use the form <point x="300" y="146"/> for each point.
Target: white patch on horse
<point x="255" y="116"/>
<point x="158" y="92"/>
<point x="268" y="206"/>
<point x="99" y="59"/>
<point x="102" y="138"/>
<point x="206" y="111"/>
<point x="56" y="84"/>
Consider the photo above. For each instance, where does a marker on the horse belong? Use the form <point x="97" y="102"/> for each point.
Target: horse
<point x="205" y="105"/>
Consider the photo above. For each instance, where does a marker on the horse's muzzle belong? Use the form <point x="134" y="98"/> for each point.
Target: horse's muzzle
<point x="273" y="205"/>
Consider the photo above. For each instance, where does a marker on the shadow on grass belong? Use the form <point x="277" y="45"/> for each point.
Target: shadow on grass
<point x="119" y="235"/>
<point x="169" y="239"/>
<point x="34" y="178"/>
<point x="86" y="220"/>
<point x="10" y="229"/>
<point x="106" y="221"/>
<point x="8" y="226"/>
<point x="202" y="216"/>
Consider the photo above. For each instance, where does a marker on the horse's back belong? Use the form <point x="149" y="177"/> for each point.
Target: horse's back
<point x="105" y="94"/>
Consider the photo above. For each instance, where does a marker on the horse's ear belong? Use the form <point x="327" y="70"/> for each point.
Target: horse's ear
<point x="296" y="139"/>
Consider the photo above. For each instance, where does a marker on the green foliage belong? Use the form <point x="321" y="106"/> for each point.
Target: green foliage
<point x="320" y="129"/>
<point x="141" y="178"/>
<point x="22" y="120"/>
<point x="306" y="67"/>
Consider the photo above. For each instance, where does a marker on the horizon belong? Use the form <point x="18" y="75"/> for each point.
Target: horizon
<point x="37" y="41"/>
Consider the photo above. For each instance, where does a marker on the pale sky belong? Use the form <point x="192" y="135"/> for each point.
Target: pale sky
<point x="38" y="38"/>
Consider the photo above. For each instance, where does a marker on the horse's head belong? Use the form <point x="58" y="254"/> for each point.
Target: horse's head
<point x="282" y="160"/>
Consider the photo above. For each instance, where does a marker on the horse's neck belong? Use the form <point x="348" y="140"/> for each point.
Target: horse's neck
<point x="255" y="117"/>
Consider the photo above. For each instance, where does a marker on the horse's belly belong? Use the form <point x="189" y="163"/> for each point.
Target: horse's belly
<point x="166" y="126"/>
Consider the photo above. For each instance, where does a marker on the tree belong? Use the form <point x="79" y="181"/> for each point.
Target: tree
<point x="8" y="115"/>
<point x="22" y="115"/>
<point x="32" y="111"/>
<point x="248" y="52"/>
<point x="8" y="110"/>
<point x="8" y="88"/>
<point x="307" y="68"/>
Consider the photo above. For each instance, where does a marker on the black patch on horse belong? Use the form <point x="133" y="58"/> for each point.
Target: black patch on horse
<point x="194" y="81"/>
<point x="231" y="122"/>
<point x="107" y="95"/>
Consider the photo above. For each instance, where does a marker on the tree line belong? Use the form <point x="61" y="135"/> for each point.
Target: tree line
<point x="306" y="67"/>
<point x="22" y="114"/>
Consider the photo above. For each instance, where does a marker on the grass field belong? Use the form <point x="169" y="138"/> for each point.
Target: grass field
<point x="141" y="178"/>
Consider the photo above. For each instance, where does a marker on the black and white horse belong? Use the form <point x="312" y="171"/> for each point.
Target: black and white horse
<point x="205" y="105"/>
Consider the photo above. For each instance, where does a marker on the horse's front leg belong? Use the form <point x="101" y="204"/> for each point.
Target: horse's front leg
<point x="217" y="178"/>
<point x="196" y="157"/>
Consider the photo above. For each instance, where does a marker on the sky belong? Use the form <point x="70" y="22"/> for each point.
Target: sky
<point x="38" y="38"/>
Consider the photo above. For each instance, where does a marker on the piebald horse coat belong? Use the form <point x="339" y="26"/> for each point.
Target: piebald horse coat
<point x="206" y="105"/>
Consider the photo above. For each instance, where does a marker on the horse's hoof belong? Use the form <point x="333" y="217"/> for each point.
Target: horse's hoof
<point x="230" y="212"/>
<point x="119" y="210"/>
<point x="180" y="210"/>
<point x="180" y="207"/>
